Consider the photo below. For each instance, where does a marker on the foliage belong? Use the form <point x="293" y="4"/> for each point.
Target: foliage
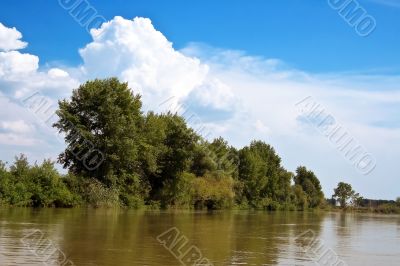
<point x="34" y="186"/>
<point x="260" y="172"/>
<point x="213" y="191"/>
<point x="168" y="150"/>
<point x="309" y="183"/>
<point x="118" y="156"/>
<point x="103" y="117"/>
<point x="344" y="192"/>
<point x="387" y="208"/>
<point x="178" y="192"/>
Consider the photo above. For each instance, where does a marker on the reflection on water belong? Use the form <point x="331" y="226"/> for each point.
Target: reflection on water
<point x="112" y="237"/>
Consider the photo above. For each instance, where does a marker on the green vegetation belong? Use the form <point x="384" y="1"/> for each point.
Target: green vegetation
<point x="35" y="186"/>
<point x="118" y="156"/>
<point x="348" y="199"/>
<point x="344" y="192"/>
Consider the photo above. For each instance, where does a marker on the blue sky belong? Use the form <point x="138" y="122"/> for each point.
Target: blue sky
<point x="239" y="67"/>
<point x="306" y="34"/>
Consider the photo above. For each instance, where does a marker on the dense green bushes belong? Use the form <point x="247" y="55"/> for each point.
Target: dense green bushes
<point x="118" y="156"/>
<point x="213" y="191"/>
<point x="42" y="186"/>
<point x="35" y="186"/>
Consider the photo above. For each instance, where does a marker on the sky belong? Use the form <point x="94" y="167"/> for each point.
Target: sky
<point x="244" y="70"/>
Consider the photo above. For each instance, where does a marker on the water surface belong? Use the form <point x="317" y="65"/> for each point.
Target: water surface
<point x="112" y="237"/>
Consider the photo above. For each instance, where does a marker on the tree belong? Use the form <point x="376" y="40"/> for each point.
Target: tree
<point x="102" y="123"/>
<point x="343" y="193"/>
<point x="310" y="184"/>
<point x="265" y="182"/>
<point x="300" y="198"/>
<point x="357" y="200"/>
<point x="215" y="156"/>
<point x="168" y="150"/>
<point x="47" y="188"/>
<point x="214" y="191"/>
<point x="224" y="156"/>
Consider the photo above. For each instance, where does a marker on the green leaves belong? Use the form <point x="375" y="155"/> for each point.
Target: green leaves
<point x="107" y="115"/>
<point x="116" y="155"/>
<point x="265" y="181"/>
<point x="343" y="193"/>
<point x="34" y="186"/>
<point x="309" y="183"/>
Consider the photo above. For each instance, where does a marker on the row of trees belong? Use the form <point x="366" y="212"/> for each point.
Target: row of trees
<point x="346" y="197"/>
<point x="117" y="155"/>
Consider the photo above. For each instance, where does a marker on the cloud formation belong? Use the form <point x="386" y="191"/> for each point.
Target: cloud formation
<point x="10" y="39"/>
<point x="136" y="52"/>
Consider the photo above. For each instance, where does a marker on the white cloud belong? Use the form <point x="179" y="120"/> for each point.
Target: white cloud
<point x="136" y="52"/>
<point x="18" y="126"/>
<point x="20" y="74"/>
<point x="10" y="39"/>
<point x="17" y="140"/>
<point x="57" y="73"/>
<point x="367" y="105"/>
<point x="14" y="128"/>
<point x="214" y="94"/>
<point x="20" y="77"/>
<point x="13" y="64"/>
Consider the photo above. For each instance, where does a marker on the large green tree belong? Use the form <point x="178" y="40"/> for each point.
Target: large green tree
<point x="168" y="150"/>
<point x="311" y="186"/>
<point x="102" y="123"/>
<point x="264" y="180"/>
<point x="216" y="155"/>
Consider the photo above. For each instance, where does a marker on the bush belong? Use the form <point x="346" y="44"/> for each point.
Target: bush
<point x="178" y="193"/>
<point x="387" y="208"/>
<point x="34" y="186"/>
<point x="98" y="195"/>
<point x="213" y="191"/>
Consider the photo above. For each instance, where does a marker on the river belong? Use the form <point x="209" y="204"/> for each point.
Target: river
<point x="122" y="237"/>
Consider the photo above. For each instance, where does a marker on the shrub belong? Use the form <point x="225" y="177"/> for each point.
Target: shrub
<point x="98" y="195"/>
<point x="178" y="192"/>
<point x="34" y="186"/>
<point x="213" y="191"/>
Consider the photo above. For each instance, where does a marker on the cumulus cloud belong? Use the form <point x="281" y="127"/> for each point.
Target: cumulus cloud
<point x="20" y="74"/>
<point x="10" y="39"/>
<point x="57" y="73"/>
<point x="14" y="128"/>
<point x="139" y="54"/>
<point x="20" y="77"/>
<point x="214" y="94"/>
<point x="13" y="64"/>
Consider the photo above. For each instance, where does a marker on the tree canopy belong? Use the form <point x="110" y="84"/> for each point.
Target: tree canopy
<point x="117" y="154"/>
<point x="343" y="193"/>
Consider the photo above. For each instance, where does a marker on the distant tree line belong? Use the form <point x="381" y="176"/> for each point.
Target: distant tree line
<point x="347" y="198"/>
<point x="151" y="159"/>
